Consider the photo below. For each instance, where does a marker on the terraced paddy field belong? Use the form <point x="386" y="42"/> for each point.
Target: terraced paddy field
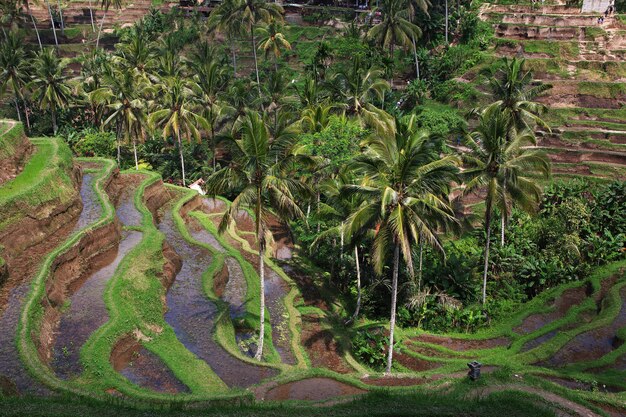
<point x="124" y="297"/>
<point x="585" y="63"/>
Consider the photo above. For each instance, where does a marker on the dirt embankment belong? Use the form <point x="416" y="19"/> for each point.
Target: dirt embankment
<point x="12" y="166"/>
<point x="39" y="231"/>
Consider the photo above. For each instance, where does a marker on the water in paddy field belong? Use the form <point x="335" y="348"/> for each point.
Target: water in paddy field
<point x="13" y="374"/>
<point x="144" y="368"/>
<point x="592" y="344"/>
<point x="192" y="315"/>
<point x="126" y="210"/>
<point x="86" y="313"/>
<point x="92" y="209"/>
<point x="276" y="290"/>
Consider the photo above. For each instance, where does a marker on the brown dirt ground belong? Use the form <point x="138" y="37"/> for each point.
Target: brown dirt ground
<point x="323" y="349"/>
<point x="462" y="344"/>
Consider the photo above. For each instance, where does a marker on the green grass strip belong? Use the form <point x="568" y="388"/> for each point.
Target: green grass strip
<point x="10" y="138"/>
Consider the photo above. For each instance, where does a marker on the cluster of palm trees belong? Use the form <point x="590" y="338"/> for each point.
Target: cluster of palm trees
<point x="395" y="195"/>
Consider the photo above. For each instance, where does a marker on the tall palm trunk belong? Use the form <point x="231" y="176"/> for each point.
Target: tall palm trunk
<point x="54" y="121"/>
<point x="447" y="22"/>
<point x="394" y="297"/>
<point x="502" y="224"/>
<point x="104" y="15"/>
<point x="256" y="63"/>
<point x="32" y="18"/>
<point x="93" y="25"/>
<point x="417" y="63"/>
<point x="17" y="109"/>
<point x="61" y="17"/>
<point x="117" y="138"/>
<point x="54" y="29"/>
<point x="355" y="315"/>
<point x="419" y="282"/>
<point x="135" y="152"/>
<point x="486" y="266"/>
<point x="259" y="351"/>
<point x="232" y="50"/>
<point x="182" y="158"/>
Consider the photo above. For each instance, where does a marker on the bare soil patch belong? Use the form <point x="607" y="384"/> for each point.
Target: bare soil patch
<point x="312" y="389"/>
<point x="463" y="344"/>
<point x="322" y="347"/>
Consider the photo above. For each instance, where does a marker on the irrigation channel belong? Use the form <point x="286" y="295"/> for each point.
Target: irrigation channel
<point x="192" y="314"/>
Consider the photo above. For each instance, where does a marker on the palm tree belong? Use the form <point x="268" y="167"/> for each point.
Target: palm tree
<point x="247" y="14"/>
<point x="177" y="114"/>
<point x="210" y="79"/>
<point x="501" y="162"/>
<point x="414" y="5"/>
<point x="273" y="41"/>
<point x="105" y="5"/>
<point x="26" y="4"/>
<point x="14" y="71"/>
<point x="339" y="207"/>
<point x="514" y="89"/>
<point x="125" y="93"/>
<point x="315" y="118"/>
<point x="136" y="52"/>
<point x="395" y="27"/>
<point x="357" y="87"/>
<point x="260" y="174"/>
<point x="221" y="20"/>
<point x="49" y="84"/>
<point x="403" y="178"/>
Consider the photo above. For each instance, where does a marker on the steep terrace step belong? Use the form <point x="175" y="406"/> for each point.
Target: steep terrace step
<point x="529" y="9"/>
<point x="554" y="20"/>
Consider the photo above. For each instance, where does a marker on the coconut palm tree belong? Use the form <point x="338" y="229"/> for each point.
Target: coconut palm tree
<point x="136" y="53"/>
<point x="248" y="14"/>
<point x="357" y="87"/>
<point x="315" y="118"/>
<point x="260" y="173"/>
<point x="125" y="93"/>
<point x="14" y="71"/>
<point x="177" y="114"/>
<point x="501" y="162"/>
<point x="273" y="41"/>
<point x="395" y="27"/>
<point x="403" y="178"/>
<point x="49" y="83"/>
<point x="26" y="5"/>
<point x="514" y="90"/>
<point x="220" y="19"/>
<point x="210" y="79"/>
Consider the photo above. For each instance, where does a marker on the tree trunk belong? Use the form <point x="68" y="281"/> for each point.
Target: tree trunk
<point x="318" y="212"/>
<point x="447" y="22"/>
<point x="419" y="282"/>
<point x="54" y="122"/>
<point x="341" y="242"/>
<point x="104" y="15"/>
<point x="32" y="18"/>
<point x="182" y="158"/>
<point x="358" y="287"/>
<point x="135" y="152"/>
<point x="232" y="49"/>
<point x="259" y="351"/>
<point x="117" y="137"/>
<point x="26" y="116"/>
<point x="394" y="296"/>
<point x="417" y="63"/>
<point x="486" y="266"/>
<point x="502" y="230"/>
<point x="61" y="16"/>
<point x="256" y="64"/>
<point x="54" y="29"/>
<point x="17" y="109"/>
<point x="93" y="26"/>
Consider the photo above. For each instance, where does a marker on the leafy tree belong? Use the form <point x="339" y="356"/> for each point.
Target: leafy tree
<point x="506" y="168"/>
<point x="401" y="189"/>
<point x="260" y="175"/>
<point x="105" y="5"/>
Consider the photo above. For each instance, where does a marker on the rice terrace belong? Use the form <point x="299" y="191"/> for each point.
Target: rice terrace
<point x="338" y="208"/>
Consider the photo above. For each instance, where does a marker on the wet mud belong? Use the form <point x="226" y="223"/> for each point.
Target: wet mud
<point x="312" y="389"/>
